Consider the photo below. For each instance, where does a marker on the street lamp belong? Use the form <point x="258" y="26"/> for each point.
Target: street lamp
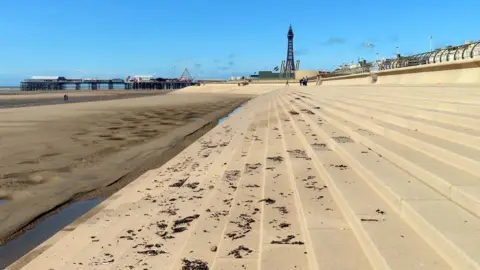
<point x="430" y="39"/>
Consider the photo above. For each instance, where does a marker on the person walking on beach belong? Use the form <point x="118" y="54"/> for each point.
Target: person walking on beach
<point x="301" y="81"/>
<point x="318" y="80"/>
<point x="286" y="83"/>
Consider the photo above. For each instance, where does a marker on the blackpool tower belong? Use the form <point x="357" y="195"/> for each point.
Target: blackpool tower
<point x="290" y="63"/>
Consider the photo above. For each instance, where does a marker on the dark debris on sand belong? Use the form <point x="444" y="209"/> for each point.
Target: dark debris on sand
<point x="232" y="175"/>
<point x="194" y="265"/>
<point x="178" y="226"/>
<point x="179" y="229"/>
<point x="231" y="178"/>
<point x="276" y="158"/>
<point x="243" y="222"/>
<point x="297" y="153"/>
<point x="320" y="146"/>
<point x="179" y="183"/>
<point x="268" y="201"/>
<point x="164" y="235"/>
<point x="286" y="241"/>
<point x="151" y="249"/>
<point x="185" y="221"/>
<point x="342" y="139"/>
<point x="170" y="211"/>
<point x="293" y="112"/>
<point x="237" y="253"/>
<point x="162" y="225"/>
<point x="341" y="166"/>
<point x="283" y="210"/>
<point x="252" y="167"/>
<point x="307" y="111"/>
<point x="192" y="185"/>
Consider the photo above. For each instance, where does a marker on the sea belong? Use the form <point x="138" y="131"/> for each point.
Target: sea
<point x="9" y="88"/>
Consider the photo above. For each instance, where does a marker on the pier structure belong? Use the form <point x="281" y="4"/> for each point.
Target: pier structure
<point x="157" y="85"/>
<point x="41" y="83"/>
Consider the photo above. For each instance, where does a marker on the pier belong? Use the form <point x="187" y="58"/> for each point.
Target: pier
<point x="41" y="83"/>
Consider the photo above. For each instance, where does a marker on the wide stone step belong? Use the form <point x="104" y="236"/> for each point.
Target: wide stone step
<point x="424" y="210"/>
<point x="454" y="107"/>
<point x="458" y="185"/>
<point x="332" y="243"/>
<point x="466" y="121"/>
<point x="458" y="97"/>
<point x="381" y="231"/>
<point x="463" y="157"/>
<point x="451" y="133"/>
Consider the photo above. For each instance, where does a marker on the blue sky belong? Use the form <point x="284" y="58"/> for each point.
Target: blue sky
<point x="216" y="39"/>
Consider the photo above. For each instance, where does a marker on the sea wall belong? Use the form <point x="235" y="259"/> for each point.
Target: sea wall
<point x="458" y="72"/>
<point x="299" y="74"/>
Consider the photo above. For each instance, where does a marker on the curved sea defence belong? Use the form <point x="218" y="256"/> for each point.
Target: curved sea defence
<point x="458" y="72"/>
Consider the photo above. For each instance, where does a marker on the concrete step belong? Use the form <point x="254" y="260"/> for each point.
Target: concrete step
<point x="331" y="243"/>
<point x="435" y="151"/>
<point x="424" y="210"/>
<point x="464" y="157"/>
<point x="443" y="117"/>
<point x="408" y="116"/>
<point x="450" y="133"/>
<point x="386" y="239"/>
<point x="459" y="98"/>
<point x="455" y="107"/>
<point x="435" y="106"/>
<point x="458" y="185"/>
<point x="187" y="204"/>
<point x="242" y="228"/>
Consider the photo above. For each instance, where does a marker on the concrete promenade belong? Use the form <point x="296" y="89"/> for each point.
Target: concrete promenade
<point x="329" y="177"/>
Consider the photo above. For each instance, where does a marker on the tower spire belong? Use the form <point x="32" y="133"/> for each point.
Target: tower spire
<point x="290" y="62"/>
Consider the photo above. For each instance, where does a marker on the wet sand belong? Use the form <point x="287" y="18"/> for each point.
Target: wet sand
<point x="22" y="99"/>
<point x="51" y="156"/>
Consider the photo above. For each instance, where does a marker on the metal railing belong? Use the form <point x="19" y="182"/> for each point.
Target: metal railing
<point x="447" y="54"/>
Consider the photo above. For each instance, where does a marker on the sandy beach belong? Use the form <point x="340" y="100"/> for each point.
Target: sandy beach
<point x="53" y="155"/>
<point x="9" y="95"/>
<point x="20" y="99"/>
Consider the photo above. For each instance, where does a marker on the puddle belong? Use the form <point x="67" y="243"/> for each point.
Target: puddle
<point x="230" y="114"/>
<point x="3" y="202"/>
<point x="13" y="250"/>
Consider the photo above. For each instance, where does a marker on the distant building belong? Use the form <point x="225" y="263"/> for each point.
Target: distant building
<point x="46" y="78"/>
<point x="268" y="75"/>
<point x="142" y="78"/>
<point x="352" y="68"/>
